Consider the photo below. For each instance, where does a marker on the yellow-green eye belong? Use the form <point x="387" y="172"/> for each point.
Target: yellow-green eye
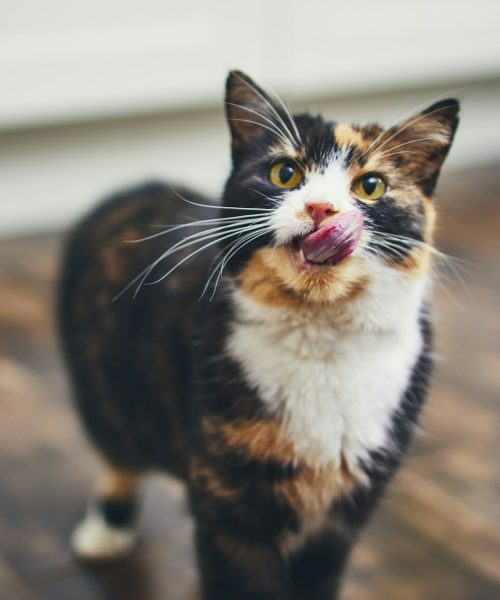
<point x="369" y="187"/>
<point x="285" y="174"/>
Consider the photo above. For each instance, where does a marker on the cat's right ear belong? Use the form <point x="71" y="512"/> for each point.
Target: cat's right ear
<point x="250" y="111"/>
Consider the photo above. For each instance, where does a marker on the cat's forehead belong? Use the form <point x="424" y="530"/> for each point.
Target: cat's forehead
<point x="323" y="142"/>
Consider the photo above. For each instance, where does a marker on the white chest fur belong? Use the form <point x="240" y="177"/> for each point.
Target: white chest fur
<point x="336" y="378"/>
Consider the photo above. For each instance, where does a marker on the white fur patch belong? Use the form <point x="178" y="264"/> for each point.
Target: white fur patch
<point x="331" y="187"/>
<point x="334" y="377"/>
<point x="94" y="539"/>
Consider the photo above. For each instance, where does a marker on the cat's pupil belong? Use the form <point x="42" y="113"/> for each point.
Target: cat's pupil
<point x="370" y="185"/>
<point x="286" y="173"/>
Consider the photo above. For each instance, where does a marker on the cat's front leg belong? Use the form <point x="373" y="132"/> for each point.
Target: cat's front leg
<point x="236" y="567"/>
<point x="317" y="566"/>
<point x="108" y="531"/>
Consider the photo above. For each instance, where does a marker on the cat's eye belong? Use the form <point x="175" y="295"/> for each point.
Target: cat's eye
<point x="286" y="174"/>
<point x="369" y="187"/>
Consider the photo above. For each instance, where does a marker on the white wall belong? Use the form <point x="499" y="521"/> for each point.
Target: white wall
<point x="99" y="94"/>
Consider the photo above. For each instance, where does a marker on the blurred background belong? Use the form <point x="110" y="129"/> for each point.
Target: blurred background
<point x="96" y="95"/>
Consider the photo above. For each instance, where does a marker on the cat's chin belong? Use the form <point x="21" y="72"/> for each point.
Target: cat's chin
<point x="281" y="276"/>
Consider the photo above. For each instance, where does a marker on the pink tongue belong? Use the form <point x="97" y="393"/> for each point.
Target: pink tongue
<point x="335" y="241"/>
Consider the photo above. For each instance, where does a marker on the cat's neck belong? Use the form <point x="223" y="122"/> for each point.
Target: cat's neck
<point x="389" y="301"/>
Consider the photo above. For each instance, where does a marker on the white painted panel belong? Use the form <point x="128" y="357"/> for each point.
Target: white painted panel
<point x="61" y="61"/>
<point x="50" y="176"/>
<point x="63" y="64"/>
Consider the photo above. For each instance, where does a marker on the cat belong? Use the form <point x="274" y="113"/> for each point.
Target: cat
<point x="275" y="359"/>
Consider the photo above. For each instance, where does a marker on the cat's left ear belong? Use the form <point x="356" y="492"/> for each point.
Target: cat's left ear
<point x="250" y="111"/>
<point x="423" y="142"/>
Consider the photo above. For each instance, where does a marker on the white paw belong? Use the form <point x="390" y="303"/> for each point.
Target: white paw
<point x="94" y="539"/>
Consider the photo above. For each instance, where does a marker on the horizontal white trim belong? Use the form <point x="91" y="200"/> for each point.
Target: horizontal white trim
<point x="61" y="65"/>
<point x="49" y="176"/>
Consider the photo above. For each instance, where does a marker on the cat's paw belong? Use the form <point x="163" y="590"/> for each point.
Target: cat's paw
<point x="94" y="539"/>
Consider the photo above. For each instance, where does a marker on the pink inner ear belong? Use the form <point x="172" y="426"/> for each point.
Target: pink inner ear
<point x="334" y="242"/>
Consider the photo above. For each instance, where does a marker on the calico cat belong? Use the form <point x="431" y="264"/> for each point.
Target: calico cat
<point x="286" y="395"/>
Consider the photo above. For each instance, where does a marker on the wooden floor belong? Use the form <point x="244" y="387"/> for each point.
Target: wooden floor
<point x="437" y="534"/>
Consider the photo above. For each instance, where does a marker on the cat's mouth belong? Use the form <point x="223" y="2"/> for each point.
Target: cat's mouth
<point x="331" y="244"/>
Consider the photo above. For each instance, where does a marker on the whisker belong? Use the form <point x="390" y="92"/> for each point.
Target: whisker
<point x="186" y="242"/>
<point x="234" y="247"/>
<point x="405" y="115"/>
<point x="273" y="200"/>
<point x="421" y="243"/>
<point x="401" y="129"/>
<point x="240" y="220"/>
<point x="206" y="235"/>
<point x="419" y="154"/>
<point x="445" y="264"/>
<point x="282" y="137"/>
<point x="424" y="139"/>
<point x="273" y="124"/>
<point x="269" y="104"/>
<point x="287" y="112"/>
<point x="219" y="206"/>
<point x="237" y="247"/>
<point x="216" y="241"/>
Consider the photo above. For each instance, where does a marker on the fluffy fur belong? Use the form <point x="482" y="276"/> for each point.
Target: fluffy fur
<point x="284" y="399"/>
<point x="352" y="368"/>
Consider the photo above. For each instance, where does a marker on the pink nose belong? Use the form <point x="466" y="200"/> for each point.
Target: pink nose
<point x="320" y="211"/>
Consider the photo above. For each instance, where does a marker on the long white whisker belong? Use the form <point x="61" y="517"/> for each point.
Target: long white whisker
<point x="215" y="268"/>
<point x="237" y="247"/>
<point x="216" y="241"/>
<point x="269" y="104"/>
<point x="179" y="246"/>
<point x="272" y="123"/>
<point x="287" y="112"/>
<point x="201" y="236"/>
<point x="401" y="129"/>
<point x="219" y="206"/>
<point x="420" y="243"/>
<point x="424" y="139"/>
<point x="405" y="115"/>
<point x="240" y="220"/>
<point x="389" y="154"/>
<point x="234" y="247"/>
<point x="282" y="137"/>
<point x="398" y="251"/>
<point x="273" y="200"/>
<point x="186" y="242"/>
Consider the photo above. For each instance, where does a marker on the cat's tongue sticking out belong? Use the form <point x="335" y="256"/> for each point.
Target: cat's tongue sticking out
<point x="335" y="241"/>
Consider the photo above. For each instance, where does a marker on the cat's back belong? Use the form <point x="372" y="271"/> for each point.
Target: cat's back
<point x="127" y="233"/>
<point x="127" y="342"/>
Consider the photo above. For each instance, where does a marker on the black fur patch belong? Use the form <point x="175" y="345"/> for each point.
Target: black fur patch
<point x="118" y="513"/>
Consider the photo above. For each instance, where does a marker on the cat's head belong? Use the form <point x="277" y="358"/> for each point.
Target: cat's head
<point x="327" y="206"/>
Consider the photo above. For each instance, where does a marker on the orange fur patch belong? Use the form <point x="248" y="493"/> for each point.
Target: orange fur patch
<point x="271" y="277"/>
<point x="309" y="491"/>
<point x="417" y="262"/>
<point x="345" y="135"/>
<point x="311" y="494"/>
<point x="430" y="219"/>
<point x="118" y="484"/>
<point x="261" y="440"/>
<point x="313" y="490"/>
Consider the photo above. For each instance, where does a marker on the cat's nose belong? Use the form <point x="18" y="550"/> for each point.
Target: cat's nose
<point x="319" y="212"/>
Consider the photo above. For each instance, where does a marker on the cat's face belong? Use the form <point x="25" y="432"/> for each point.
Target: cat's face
<point x="333" y="204"/>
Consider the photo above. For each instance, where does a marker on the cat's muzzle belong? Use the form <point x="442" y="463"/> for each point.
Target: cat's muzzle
<point x="333" y="242"/>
